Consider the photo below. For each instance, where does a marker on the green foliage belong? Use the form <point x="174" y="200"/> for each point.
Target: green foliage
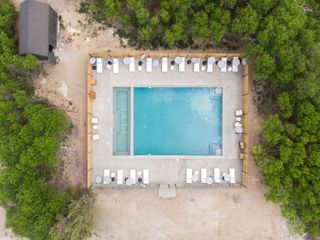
<point x="246" y="22"/>
<point x="8" y="16"/>
<point x="272" y="129"/>
<point x="31" y="131"/>
<point x="284" y="104"/>
<point x="165" y="23"/>
<point x="78" y="223"/>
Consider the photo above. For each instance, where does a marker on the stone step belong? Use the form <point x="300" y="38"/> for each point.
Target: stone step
<point x="167" y="191"/>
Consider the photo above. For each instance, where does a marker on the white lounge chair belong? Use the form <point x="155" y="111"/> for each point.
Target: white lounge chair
<point x="95" y="137"/>
<point x="232" y="173"/>
<point x="189" y="175"/>
<point x="182" y="66"/>
<point x="115" y="65"/>
<point x="203" y="172"/>
<point x="99" y="65"/>
<point x="149" y="65"/>
<point x="196" y="66"/>
<point x="235" y="64"/>
<point x="216" y="174"/>
<point x="131" y="64"/>
<point x="145" y="177"/>
<point x="132" y="174"/>
<point x="209" y="67"/>
<point x="120" y="176"/>
<point x="94" y="120"/>
<point x="239" y="113"/>
<point x="164" y="64"/>
<point x="210" y="62"/>
<point x="106" y="174"/>
<point x="95" y="127"/>
<point x="224" y="69"/>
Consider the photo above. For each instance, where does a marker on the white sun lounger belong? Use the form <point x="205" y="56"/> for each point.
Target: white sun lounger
<point x="216" y="174"/>
<point x="209" y="67"/>
<point x="224" y="69"/>
<point x="239" y="113"/>
<point x="99" y="65"/>
<point x="149" y="65"/>
<point x="120" y="176"/>
<point x="164" y="64"/>
<point x="131" y="64"/>
<point x="95" y="137"/>
<point x="196" y="67"/>
<point x="232" y="173"/>
<point x="189" y="175"/>
<point x="106" y="173"/>
<point x="94" y="120"/>
<point x="145" y="177"/>
<point x="132" y="174"/>
<point x="115" y="65"/>
<point x="235" y="68"/>
<point x="182" y="66"/>
<point x="203" y="172"/>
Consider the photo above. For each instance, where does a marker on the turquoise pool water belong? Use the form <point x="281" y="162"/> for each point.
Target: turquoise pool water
<point x="121" y="121"/>
<point x="177" y="121"/>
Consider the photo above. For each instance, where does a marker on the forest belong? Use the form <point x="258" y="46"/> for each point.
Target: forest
<point x="31" y="133"/>
<point x="281" y="39"/>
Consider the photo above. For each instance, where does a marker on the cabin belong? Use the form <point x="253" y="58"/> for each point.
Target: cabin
<point x="38" y="27"/>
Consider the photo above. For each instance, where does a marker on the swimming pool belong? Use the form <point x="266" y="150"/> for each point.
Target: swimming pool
<point x="177" y="121"/>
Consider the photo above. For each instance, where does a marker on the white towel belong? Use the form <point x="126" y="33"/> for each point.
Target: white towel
<point x="133" y="175"/>
<point x="196" y="67"/>
<point x="149" y="65"/>
<point x="119" y="176"/>
<point x="145" y="177"/>
<point x="115" y="64"/>
<point x="182" y="65"/>
<point x="203" y="175"/>
<point x="131" y="65"/>
<point x="164" y="64"/>
<point x="189" y="175"/>
<point x="232" y="173"/>
<point x="99" y="65"/>
<point x="225" y="68"/>
<point x="106" y="173"/>
<point x="217" y="178"/>
<point x="209" y="67"/>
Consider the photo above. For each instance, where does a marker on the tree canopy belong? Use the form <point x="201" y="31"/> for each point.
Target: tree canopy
<point x="281" y="39"/>
<point x="31" y="132"/>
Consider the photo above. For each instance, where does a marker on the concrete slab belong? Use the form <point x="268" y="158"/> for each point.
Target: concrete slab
<point x="167" y="191"/>
<point x="165" y="169"/>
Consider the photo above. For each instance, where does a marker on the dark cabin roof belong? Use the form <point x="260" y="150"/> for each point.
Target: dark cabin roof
<point x="37" y="28"/>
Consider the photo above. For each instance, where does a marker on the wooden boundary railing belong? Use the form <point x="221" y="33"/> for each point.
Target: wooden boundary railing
<point x="90" y="82"/>
<point x="245" y="135"/>
<point x="171" y="54"/>
<point x="168" y="53"/>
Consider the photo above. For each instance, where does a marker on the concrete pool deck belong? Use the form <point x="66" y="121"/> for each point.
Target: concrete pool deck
<point x="165" y="169"/>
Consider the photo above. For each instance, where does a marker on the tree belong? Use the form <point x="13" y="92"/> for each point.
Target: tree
<point x="77" y="223"/>
<point x="246" y="22"/>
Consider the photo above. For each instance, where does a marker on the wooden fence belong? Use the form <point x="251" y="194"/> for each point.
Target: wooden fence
<point x="170" y="54"/>
<point x="90" y="82"/>
<point x="245" y="135"/>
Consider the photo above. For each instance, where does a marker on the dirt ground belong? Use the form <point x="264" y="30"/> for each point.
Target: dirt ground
<point x="139" y="214"/>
